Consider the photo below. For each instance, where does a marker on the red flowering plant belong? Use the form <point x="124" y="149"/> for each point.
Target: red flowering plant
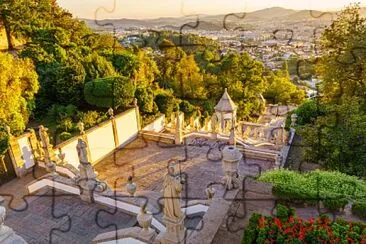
<point x="291" y="229"/>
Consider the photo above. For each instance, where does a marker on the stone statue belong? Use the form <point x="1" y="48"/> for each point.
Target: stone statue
<point x="40" y="152"/>
<point x="172" y="189"/>
<point x="82" y="151"/>
<point x="7" y="235"/>
<point x="44" y="136"/>
<point x="61" y="155"/>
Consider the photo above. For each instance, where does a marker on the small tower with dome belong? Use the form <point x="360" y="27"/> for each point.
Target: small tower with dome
<point x="225" y="111"/>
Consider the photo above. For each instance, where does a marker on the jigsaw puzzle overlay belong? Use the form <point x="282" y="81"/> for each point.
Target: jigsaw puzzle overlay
<point x="53" y="215"/>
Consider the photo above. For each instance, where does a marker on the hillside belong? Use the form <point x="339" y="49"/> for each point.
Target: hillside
<point x="215" y="22"/>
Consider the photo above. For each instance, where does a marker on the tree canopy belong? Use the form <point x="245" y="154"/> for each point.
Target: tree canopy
<point x="18" y="85"/>
<point x="336" y="137"/>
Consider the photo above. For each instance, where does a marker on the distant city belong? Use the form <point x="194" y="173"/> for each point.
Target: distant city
<point x="269" y="35"/>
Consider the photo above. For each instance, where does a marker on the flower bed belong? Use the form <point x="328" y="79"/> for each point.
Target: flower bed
<point x="286" y="228"/>
<point x="335" y="189"/>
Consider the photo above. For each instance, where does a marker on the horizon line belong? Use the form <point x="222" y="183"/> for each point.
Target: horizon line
<point x="218" y="13"/>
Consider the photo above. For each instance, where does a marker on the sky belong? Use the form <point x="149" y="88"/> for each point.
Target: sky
<point x="142" y="9"/>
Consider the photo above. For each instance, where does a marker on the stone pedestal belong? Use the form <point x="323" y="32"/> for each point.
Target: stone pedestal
<point x="87" y="195"/>
<point x="179" y="130"/>
<point x="175" y="231"/>
<point x="231" y="158"/>
<point x="88" y="182"/>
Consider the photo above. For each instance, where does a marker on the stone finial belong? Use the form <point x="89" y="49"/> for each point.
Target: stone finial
<point x="81" y="128"/>
<point x="131" y="186"/>
<point x="144" y="219"/>
<point x="111" y="113"/>
<point x="210" y="192"/>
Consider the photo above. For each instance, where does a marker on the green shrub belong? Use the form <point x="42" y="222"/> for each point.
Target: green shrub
<point x="61" y="112"/>
<point x="4" y="140"/>
<point x="64" y="136"/>
<point x="250" y="233"/>
<point x="359" y="208"/>
<point x="66" y="125"/>
<point x="267" y="229"/>
<point x="283" y="212"/>
<point x="89" y="118"/>
<point x="145" y="99"/>
<point x="335" y="203"/>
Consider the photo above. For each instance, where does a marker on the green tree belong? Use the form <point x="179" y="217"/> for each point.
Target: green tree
<point x="115" y="92"/>
<point x="145" y="99"/>
<point x="282" y="90"/>
<point x="342" y="66"/>
<point x="18" y="85"/>
<point x="166" y="103"/>
<point x="188" y="82"/>
<point x="337" y="139"/>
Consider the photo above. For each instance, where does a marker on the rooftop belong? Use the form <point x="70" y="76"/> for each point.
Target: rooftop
<point x="225" y="104"/>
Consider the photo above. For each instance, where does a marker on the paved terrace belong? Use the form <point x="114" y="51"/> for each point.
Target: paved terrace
<point x="148" y="161"/>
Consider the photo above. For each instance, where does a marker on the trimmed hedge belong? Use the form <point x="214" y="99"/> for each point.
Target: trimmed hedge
<point x="335" y="189"/>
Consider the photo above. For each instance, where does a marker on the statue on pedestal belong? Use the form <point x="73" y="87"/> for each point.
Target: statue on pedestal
<point x="172" y="189"/>
<point x="87" y="180"/>
<point x="173" y="215"/>
<point x="44" y="136"/>
<point x="81" y="148"/>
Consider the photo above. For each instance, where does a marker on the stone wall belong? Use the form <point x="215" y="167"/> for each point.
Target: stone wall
<point x="157" y="125"/>
<point x="102" y="140"/>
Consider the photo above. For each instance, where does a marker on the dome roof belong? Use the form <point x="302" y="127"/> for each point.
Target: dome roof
<point x="225" y="104"/>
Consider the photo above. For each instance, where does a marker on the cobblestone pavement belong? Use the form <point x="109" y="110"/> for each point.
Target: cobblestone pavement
<point x="67" y="219"/>
<point x="17" y="188"/>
